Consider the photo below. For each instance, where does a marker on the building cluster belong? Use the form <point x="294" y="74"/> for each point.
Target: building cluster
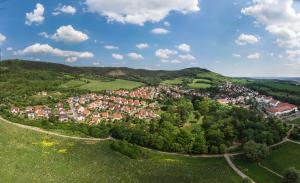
<point x="275" y="107"/>
<point x="111" y="105"/>
<point x="235" y="94"/>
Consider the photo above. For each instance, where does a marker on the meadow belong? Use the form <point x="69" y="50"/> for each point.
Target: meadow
<point x="100" y="85"/>
<point x="282" y="157"/>
<point x="28" y="156"/>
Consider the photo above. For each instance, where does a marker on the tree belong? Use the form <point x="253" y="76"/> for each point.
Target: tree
<point x="204" y="107"/>
<point x="255" y="151"/>
<point x="291" y="175"/>
<point x="246" y="180"/>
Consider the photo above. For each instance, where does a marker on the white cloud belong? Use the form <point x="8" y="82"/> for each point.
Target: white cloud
<point x="37" y="16"/>
<point x="160" y="31"/>
<point x="117" y="56"/>
<point x="139" y="12"/>
<point x="111" y="47"/>
<point x="165" y="53"/>
<point x="184" y="47"/>
<point x="48" y="50"/>
<point x="279" y="18"/>
<point x="167" y="24"/>
<point x="96" y="63"/>
<point x="174" y="61"/>
<point x="135" y="56"/>
<point x="67" y="9"/>
<point x="187" y="57"/>
<point x="293" y="54"/>
<point x="254" y="56"/>
<point x="2" y="38"/>
<point x="9" y="49"/>
<point x="71" y="59"/>
<point x="142" y="46"/>
<point x="68" y="34"/>
<point x="244" y="39"/>
<point x="235" y="55"/>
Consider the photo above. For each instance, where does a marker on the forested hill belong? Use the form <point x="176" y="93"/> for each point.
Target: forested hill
<point x="147" y="76"/>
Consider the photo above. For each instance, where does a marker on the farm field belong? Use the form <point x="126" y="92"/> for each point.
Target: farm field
<point x="281" y="158"/>
<point x="176" y="81"/>
<point x="98" y="85"/>
<point x="28" y="156"/>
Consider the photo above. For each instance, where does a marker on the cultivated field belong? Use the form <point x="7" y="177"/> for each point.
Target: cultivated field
<point x="28" y="156"/>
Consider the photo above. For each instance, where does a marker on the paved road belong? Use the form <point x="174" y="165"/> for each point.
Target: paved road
<point x="53" y="133"/>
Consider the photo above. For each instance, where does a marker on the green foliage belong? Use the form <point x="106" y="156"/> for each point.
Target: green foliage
<point x="291" y="175"/>
<point x="246" y="180"/>
<point x="129" y="150"/>
<point x="255" y="152"/>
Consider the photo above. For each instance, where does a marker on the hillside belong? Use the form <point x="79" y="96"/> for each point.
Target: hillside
<point x="34" y="157"/>
<point x="148" y="76"/>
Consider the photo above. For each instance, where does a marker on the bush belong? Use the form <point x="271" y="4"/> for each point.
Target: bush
<point x="255" y="151"/>
<point x="291" y="175"/>
<point x="130" y="150"/>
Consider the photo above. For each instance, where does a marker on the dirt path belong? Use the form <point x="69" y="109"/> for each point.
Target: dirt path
<point x="238" y="171"/>
<point x="269" y="170"/>
<point x="52" y="133"/>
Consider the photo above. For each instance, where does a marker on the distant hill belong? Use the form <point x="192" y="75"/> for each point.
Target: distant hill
<point x="146" y="76"/>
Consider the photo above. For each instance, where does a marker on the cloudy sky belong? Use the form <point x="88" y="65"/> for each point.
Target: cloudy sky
<point x="234" y="38"/>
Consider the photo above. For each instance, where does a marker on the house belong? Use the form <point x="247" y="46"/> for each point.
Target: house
<point x="63" y="117"/>
<point x="29" y="109"/>
<point x="274" y="103"/>
<point x="281" y="109"/>
<point x="117" y="116"/>
<point x="94" y="121"/>
<point x="31" y="115"/>
<point x="80" y="117"/>
<point x="15" y="110"/>
<point x="105" y="115"/>
<point x="224" y="101"/>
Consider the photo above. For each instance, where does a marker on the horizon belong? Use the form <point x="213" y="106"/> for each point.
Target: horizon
<point x="236" y="39"/>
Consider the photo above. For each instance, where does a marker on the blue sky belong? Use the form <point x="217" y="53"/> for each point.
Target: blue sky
<point x="234" y="38"/>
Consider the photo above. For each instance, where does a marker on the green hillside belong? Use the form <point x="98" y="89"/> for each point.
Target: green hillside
<point x="28" y="156"/>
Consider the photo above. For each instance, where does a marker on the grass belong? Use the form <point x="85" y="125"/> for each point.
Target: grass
<point x="100" y="85"/>
<point x="28" y="156"/>
<point x="199" y="85"/>
<point x="282" y="157"/>
<point x="176" y="81"/>
<point x="287" y="155"/>
<point x="254" y="171"/>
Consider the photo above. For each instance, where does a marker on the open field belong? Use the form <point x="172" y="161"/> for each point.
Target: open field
<point x="99" y="85"/>
<point x="254" y="171"/>
<point x="199" y="85"/>
<point x="287" y="155"/>
<point x="28" y="156"/>
<point x="282" y="157"/>
<point x="176" y="81"/>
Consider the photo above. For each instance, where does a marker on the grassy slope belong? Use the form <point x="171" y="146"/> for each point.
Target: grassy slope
<point x="31" y="157"/>
<point x="285" y="156"/>
<point x="96" y="85"/>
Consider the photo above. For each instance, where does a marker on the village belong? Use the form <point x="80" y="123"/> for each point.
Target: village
<point x="142" y="103"/>
<point x="111" y="105"/>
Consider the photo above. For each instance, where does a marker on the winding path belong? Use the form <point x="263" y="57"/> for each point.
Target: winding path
<point x="53" y="133"/>
<point x="226" y="156"/>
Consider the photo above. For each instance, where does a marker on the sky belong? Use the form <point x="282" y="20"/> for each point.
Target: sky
<point x="231" y="37"/>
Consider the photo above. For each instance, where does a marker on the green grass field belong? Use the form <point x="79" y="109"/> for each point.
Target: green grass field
<point x="28" y="156"/>
<point x="281" y="158"/>
<point x="199" y="85"/>
<point x="99" y="85"/>
<point x="176" y="81"/>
